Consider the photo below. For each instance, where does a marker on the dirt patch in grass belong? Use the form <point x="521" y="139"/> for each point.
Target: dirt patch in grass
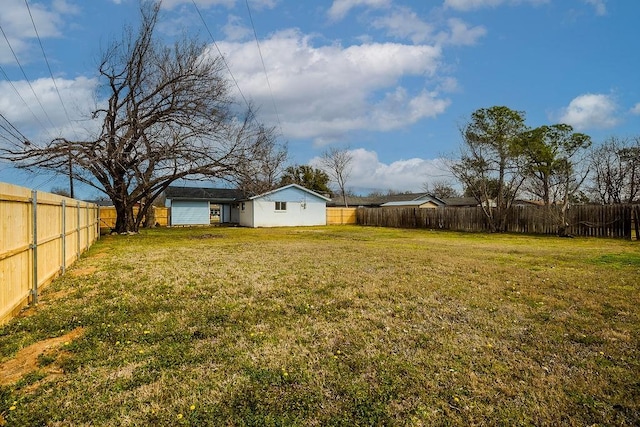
<point x="79" y="272"/>
<point x="26" y="360"/>
<point x="52" y="296"/>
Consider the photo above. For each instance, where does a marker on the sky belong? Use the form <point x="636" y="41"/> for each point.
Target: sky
<point x="390" y="80"/>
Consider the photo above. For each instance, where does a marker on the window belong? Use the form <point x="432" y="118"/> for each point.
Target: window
<point x="281" y="206"/>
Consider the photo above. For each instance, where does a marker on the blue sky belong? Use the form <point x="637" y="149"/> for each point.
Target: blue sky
<point x="392" y="80"/>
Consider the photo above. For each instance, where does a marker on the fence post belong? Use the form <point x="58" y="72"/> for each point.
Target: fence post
<point x="63" y="237"/>
<point x="34" y="247"/>
<point x="78" y="230"/>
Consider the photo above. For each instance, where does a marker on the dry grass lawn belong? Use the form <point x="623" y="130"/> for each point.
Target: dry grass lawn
<point x="333" y="326"/>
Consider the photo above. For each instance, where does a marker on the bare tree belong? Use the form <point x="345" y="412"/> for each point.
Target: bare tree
<point x="167" y="116"/>
<point x="261" y="171"/>
<point x="337" y="163"/>
<point x="440" y="189"/>
<point x="615" y="167"/>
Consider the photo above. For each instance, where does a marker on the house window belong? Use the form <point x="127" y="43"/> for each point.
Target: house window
<point x="281" y="206"/>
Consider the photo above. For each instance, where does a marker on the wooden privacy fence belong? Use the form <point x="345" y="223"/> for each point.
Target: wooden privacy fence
<point x="618" y="221"/>
<point x="108" y="216"/>
<point x="41" y="234"/>
<point x="341" y="216"/>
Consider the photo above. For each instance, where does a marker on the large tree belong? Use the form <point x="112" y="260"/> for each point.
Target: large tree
<point x="307" y="176"/>
<point x="554" y="153"/>
<point x="615" y="168"/>
<point x="554" y="174"/>
<point x="491" y="163"/>
<point x="167" y="115"/>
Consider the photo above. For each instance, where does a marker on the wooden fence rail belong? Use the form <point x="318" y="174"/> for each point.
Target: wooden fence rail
<point x="41" y="234"/>
<point x="582" y="220"/>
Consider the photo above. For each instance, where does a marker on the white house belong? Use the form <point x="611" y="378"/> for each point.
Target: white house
<point x="291" y="205"/>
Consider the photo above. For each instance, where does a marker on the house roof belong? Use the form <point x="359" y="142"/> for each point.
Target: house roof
<point x="290" y="186"/>
<point x="460" y="201"/>
<point x="407" y="203"/>
<point x="203" y="193"/>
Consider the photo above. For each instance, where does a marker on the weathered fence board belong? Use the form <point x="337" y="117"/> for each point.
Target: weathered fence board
<point x="581" y="220"/>
<point x="40" y="235"/>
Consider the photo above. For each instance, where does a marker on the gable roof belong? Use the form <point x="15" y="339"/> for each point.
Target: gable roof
<point x="299" y="187"/>
<point x="203" y="193"/>
<point x="407" y="203"/>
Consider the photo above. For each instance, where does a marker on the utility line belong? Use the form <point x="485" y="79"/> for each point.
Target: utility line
<point x="49" y="67"/>
<point x="22" y="138"/>
<point x="22" y="99"/>
<point x="255" y="34"/>
<point x="220" y="52"/>
<point x="25" y="76"/>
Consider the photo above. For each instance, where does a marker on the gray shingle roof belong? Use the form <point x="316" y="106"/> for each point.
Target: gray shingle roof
<point x="202" y="193"/>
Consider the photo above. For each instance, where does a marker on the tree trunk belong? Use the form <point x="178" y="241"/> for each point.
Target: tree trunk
<point x="125" y="221"/>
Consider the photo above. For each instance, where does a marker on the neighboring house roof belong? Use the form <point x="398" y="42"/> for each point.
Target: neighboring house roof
<point x="354" y="201"/>
<point x="376" y="201"/>
<point x="460" y="201"/>
<point x="326" y="199"/>
<point x="203" y="193"/>
<point x="421" y="201"/>
<point x="408" y="203"/>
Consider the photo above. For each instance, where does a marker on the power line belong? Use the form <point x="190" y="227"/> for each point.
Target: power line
<point x="25" y="76"/>
<point x="255" y="34"/>
<point x="220" y="52"/>
<point x="22" y="99"/>
<point x="48" y="66"/>
<point x="21" y="137"/>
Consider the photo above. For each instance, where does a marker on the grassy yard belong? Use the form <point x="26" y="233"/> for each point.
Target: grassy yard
<point x="331" y="326"/>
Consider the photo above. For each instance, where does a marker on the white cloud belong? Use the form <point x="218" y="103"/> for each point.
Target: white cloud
<point x="368" y="173"/>
<point x="325" y="92"/>
<point x="170" y="4"/>
<point x="16" y="24"/>
<point x="64" y="7"/>
<point x="466" y="5"/>
<point x="234" y="30"/>
<point x="405" y="23"/>
<point x="462" y="35"/>
<point x="257" y="4"/>
<point x="600" y="6"/>
<point x="591" y="111"/>
<point x="340" y="8"/>
<point x="78" y="100"/>
<point x="636" y="109"/>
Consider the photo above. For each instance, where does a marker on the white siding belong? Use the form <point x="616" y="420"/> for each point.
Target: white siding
<point x="189" y="212"/>
<point x="246" y="214"/>
<point x="303" y="208"/>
